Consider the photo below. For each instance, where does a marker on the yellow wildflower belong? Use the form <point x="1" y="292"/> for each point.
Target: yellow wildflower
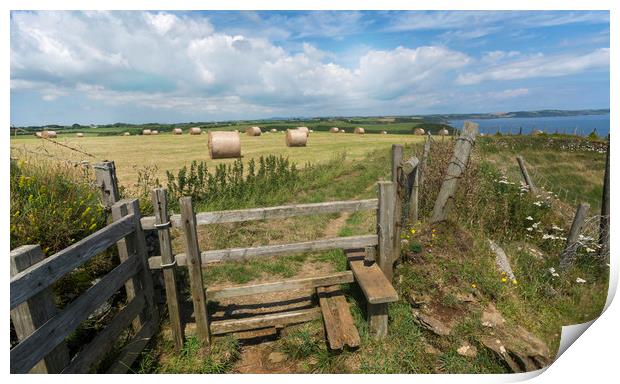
<point x="474" y="285"/>
<point x="412" y="231"/>
<point x="92" y="227"/>
<point x="514" y="282"/>
<point x="504" y="279"/>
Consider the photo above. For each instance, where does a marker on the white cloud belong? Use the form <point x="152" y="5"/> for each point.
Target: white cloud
<point x="539" y="65"/>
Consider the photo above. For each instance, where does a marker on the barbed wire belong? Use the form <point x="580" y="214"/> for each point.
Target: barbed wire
<point x="61" y="144"/>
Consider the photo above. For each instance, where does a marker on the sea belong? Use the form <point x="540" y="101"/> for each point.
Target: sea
<point x="582" y="125"/>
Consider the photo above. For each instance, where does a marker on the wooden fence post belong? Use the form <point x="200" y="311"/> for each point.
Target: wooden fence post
<point x="105" y="173"/>
<point x="397" y="179"/>
<point x="32" y="314"/>
<point x="134" y="245"/>
<point x="458" y="163"/>
<point x="603" y="239"/>
<point x="162" y="223"/>
<point x="411" y="171"/>
<point x="427" y="150"/>
<point x="526" y="175"/>
<point x="385" y="227"/>
<point x="194" y="264"/>
<point x="568" y="255"/>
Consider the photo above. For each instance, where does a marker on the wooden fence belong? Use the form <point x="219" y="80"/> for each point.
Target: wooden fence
<point x="42" y="328"/>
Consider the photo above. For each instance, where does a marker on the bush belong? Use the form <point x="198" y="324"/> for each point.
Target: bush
<point x="52" y="204"/>
<point x="233" y="185"/>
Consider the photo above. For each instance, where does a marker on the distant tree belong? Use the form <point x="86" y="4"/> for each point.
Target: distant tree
<point x="76" y="125"/>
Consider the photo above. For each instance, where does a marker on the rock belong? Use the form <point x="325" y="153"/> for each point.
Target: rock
<point x="467" y="350"/>
<point x="433" y="324"/>
<point x="431" y="350"/>
<point x="277" y="357"/>
<point x="491" y="317"/>
<point x="465" y="297"/>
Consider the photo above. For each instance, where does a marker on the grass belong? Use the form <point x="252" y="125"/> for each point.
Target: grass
<point x="171" y="152"/>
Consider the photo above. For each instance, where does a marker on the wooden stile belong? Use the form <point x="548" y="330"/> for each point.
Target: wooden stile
<point x="265" y="321"/>
<point x="339" y="325"/>
<point x="194" y="264"/>
<point x="160" y="206"/>
<point x="399" y="192"/>
<point x="32" y="314"/>
<point x="105" y="174"/>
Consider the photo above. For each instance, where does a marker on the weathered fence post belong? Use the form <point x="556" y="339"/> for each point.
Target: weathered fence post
<point x="397" y="179"/>
<point x="568" y="255"/>
<point x="194" y="265"/>
<point x="458" y="163"/>
<point x="32" y="314"/>
<point x="526" y="175"/>
<point x="385" y="227"/>
<point x="427" y="149"/>
<point x="411" y="171"/>
<point x="603" y="239"/>
<point x="105" y="173"/>
<point x="162" y="224"/>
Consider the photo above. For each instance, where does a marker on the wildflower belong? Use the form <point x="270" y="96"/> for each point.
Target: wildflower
<point x="556" y="228"/>
<point x="538" y="203"/>
<point x="535" y="225"/>
<point x="412" y="231"/>
<point x="92" y="227"/>
<point x="529" y="229"/>
<point x="86" y="211"/>
<point x="529" y="218"/>
<point x="580" y="280"/>
<point x="514" y="281"/>
<point x="473" y="285"/>
<point x="504" y="279"/>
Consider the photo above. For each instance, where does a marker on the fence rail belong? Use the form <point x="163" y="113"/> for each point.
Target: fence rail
<point x="280" y="212"/>
<point x="39" y="340"/>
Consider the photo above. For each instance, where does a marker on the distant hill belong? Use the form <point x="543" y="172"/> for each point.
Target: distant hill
<point x="541" y="113"/>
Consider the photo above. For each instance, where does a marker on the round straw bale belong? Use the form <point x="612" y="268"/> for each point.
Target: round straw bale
<point x="195" y="131"/>
<point x="359" y="131"/>
<point x="274" y="130"/>
<point x="224" y="144"/>
<point x="304" y="130"/>
<point x="253" y="131"/>
<point x="49" y="134"/>
<point x="384" y="132"/>
<point x="536" y="132"/>
<point x="146" y="132"/>
<point x="418" y="131"/>
<point x="296" y="138"/>
<point x="126" y="134"/>
<point x="38" y="134"/>
<point x="177" y="131"/>
<point x="79" y="134"/>
<point x="343" y="130"/>
<point x="154" y="132"/>
<point x="334" y="129"/>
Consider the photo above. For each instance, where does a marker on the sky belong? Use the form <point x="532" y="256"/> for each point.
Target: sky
<point x="100" y="67"/>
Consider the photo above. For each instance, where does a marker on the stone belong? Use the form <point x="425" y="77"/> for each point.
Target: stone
<point x="491" y="317"/>
<point x="467" y="350"/>
<point x="277" y="357"/>
<point x="433" y="324"/>
<point x="431" y="350"/>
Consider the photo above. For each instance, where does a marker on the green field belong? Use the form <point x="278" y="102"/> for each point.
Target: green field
<point x="171" y="152"/>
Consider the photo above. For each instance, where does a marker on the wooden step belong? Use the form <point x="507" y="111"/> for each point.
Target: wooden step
<point x="263" y="321"/>
<point x="376" y="287"/>
<point x="339" y="325"/>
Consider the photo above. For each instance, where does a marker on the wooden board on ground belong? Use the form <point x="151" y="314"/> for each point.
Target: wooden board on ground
<point x="264" y="321"/>
<point x="372" y="281"/>
<point x="337" y="318"/>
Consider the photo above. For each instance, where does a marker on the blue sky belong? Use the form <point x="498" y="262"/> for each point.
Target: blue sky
<point x="141" y="66"/>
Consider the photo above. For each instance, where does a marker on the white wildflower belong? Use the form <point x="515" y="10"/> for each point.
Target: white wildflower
<point x="529" y="229"/>
<point x="535" y="225"/>
<point x="538" y="203"/>
<point x="580" y="280"/>
<point x="556" y="228"/>
<point x="589" y="250"/>
<point x="529" y="218"/>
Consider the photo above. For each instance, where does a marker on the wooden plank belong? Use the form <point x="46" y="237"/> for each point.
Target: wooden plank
<point x="132" y="350"/>
<point x="372" y="281"/>
<point x="214" y="294"/>
<point x="32" y="314"/>
<point x="126" y="249"/>
<point x="339" y="325"/>
<point x="377" y="320"/>
<point x="423" y="165"/>
<point x="36" y="346"/>
<point x="456" y="168"/>
<point x="194" y="265"/>
<point x="240" y="254"/>
<point x="92" y="353"/>
<point x="264" y="321"/>
<point x="279" y="212"/>
<point x="386" y="222"/>
<point x="34" y="279"/>
<point x="160" y="206"/>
